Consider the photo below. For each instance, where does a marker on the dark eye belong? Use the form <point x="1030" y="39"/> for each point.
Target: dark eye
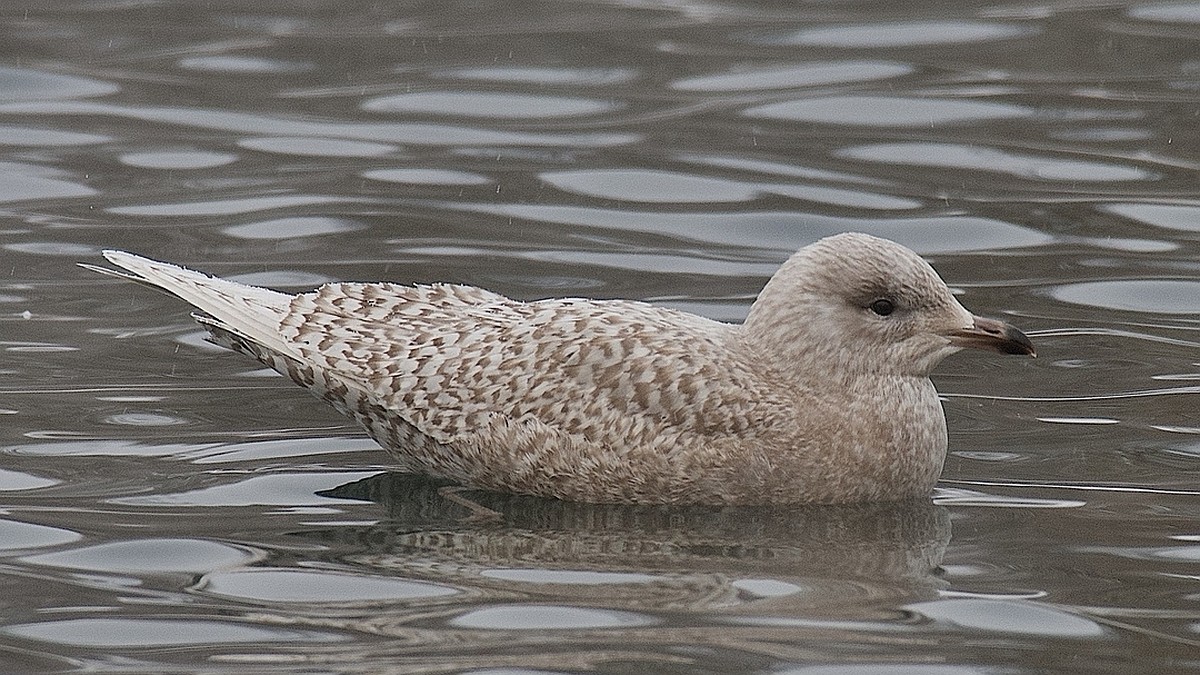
<point x="883" y="306"/>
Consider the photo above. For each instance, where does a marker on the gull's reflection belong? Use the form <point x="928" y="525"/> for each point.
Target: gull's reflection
<point x="737" y="558"/>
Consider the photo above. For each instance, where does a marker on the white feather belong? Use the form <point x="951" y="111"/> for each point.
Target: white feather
<point x="248" y="311"/>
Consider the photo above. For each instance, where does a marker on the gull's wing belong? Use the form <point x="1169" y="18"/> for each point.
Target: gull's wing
<point x="444" y="356"/>
<point x="465" y="383"/>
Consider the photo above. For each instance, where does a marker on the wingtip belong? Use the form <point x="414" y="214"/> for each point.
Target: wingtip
<point x="114" y="255"/>
<point x="131" y="265"/>
<point x="109" y="272"/>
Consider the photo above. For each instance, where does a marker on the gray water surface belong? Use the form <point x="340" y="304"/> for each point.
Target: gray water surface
<point x="169" y="507"/>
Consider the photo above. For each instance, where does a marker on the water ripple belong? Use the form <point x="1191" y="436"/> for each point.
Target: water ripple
<point x="47" y="138"/>
<point x="1159" y="296"/>
<point x="292" y="489"/>
<point x="307" y="146"/>
<point x="787" y="76"/>
<point x="887" y="111"/>
<point x="780" y="231"/>
<point x="16" y="535"/>
<point x="396" y="132"/>
<point x="178" y="159"/>
<point x="548" y="617"/>
<point x="20" y="182"/>
<point x="904" y="34"/>
<point x="1170" y="12"/>
<point x="248" y="65"/>
<point x="542" y="75"/>
<point x="1184" y="217"/>
<point x="148" y="556"/>
<point x="778" y="169"/>
<point x="982" y="158"/>
<point x="415" y="176"/>
<point x="113" y="632"/>
<point x="1002" y="616"/>
<point x="23" y="84"/>
<point x="14" y="481"/>
<point x="488" y="104"/>
<point x="963" y="497"/>
<point x="1131" y="489"/>
<point x="227" y="207"/>
<point x="658" y="186"/>
<point x="292" y="228"/>
<point x="269" y="584"/>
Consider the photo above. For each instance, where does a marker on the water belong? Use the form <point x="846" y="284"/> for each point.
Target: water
<point x="170" y="508"/>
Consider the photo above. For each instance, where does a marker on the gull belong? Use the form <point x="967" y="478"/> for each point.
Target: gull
<point x="821" y="396"/>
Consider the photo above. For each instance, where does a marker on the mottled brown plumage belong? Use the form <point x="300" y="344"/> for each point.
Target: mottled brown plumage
<point x="821" y="396"/>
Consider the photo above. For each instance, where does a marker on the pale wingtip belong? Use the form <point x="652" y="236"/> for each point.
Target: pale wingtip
<point x="132" y="266"/>
<point x="119" y="257"/>
<point x="109" y="272"/>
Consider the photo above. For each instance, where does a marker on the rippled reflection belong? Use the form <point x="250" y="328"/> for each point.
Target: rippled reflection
<point x="905" y="33"/>
<point x="1172" y="216"/>
<point x="170" y="507"/>
<point x="782" y="231"/>
<point x="283" y="585"/>
<point x="1170" y="12"/>
<point x="21" y="84"/>
<point x="154" y="633"/>
<point x="888" y="111"/>
<point x="243" y="64"/>
<point x="991" y="159"/>
<point x="427" y="177"/>
<point x="1137" y="295"/>
<point x="998" y="616"/>
<point x="486" y="104"/>
<point x="781" y="77"/>
<point x="178" y="159"/>
<point x="16" y="535"/>
<point x="288" y="228"/>
<point x="317" y="147"/>
<point x="603" y="544"/>
<point x="20" y="182"/>
<point x="146" y="556"/>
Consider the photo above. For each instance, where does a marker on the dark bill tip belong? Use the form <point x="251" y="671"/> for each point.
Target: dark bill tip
<point x="994" y="336"/>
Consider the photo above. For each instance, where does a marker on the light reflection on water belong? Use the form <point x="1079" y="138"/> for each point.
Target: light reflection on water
<point x="169" y="508"/>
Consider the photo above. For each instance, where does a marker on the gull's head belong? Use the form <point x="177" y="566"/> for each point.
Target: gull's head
<point x="853" y="303"/>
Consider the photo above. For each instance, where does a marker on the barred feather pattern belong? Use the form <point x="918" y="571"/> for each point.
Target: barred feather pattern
<point x="576" y="399"/>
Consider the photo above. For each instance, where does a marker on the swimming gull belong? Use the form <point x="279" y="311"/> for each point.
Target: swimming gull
<point x="821" y="396"/>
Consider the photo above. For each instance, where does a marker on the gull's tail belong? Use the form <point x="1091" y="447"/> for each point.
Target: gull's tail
<point x="249" y="312"/>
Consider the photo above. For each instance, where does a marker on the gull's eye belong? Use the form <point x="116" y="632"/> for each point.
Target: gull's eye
<point x="882" y="306"/>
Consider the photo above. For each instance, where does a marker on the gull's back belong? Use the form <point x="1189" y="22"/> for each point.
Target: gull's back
<point x="601" y="401"/>
<point x="450" y="356"/>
